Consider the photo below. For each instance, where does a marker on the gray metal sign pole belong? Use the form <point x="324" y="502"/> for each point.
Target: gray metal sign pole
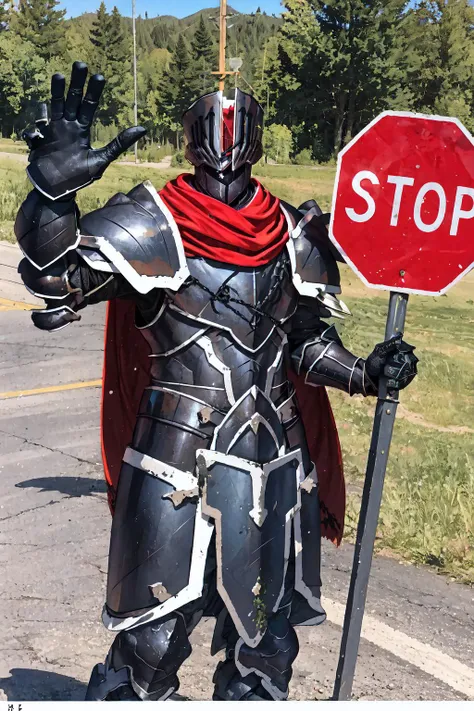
<point x="384" y="419"/>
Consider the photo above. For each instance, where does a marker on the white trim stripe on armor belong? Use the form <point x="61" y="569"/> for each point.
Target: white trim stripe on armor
<point x="335" y="305"/>
<point x="199" y="319"/>
<point x="254" y="423"/>
<point x="50" y="311"/>
<point x="182" y="345"/>
<point x="190" y="385"/>
<point x="142" y="282"/>
<point x="275" y="365"/>
<point x="203" y="530"/>
<point x="253" y="391"/>
<point x="287" y="409"/>
<point x="154" y="319"/>
<point x="178" y="478"/>
<point x="95" y="260"/>
<point x="179" y="392"/>
<point x="300" y="586"/>
<point x="307" y="217"/>
<point x="56" y="258"/>
<point x="171" y="222"/>
<point x="58" y="197"/>
<point x="206" y="344"/>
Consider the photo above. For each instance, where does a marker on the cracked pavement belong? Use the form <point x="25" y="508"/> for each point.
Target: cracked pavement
<point x="54" y="527"/>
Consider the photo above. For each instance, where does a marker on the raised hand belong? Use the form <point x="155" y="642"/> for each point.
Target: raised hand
<point x="61" y="160"/>
<point x="395" y="360"/>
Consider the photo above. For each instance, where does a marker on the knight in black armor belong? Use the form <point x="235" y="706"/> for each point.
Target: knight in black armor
<point x="218" y="294"/>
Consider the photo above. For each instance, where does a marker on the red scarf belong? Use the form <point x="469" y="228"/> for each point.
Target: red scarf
<point x="249" y="237"/>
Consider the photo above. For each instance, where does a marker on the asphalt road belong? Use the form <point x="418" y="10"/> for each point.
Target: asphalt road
<point x="54" y="525"/>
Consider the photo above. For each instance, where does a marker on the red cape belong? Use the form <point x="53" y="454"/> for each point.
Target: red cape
<point x="126" y="374"/>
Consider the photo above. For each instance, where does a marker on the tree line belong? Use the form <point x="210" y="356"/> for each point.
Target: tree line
<point x="322" y="71"/>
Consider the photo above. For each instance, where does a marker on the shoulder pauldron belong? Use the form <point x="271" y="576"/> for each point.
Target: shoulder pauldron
<point x="313" y="258"/>
<point x="136" y="235"/>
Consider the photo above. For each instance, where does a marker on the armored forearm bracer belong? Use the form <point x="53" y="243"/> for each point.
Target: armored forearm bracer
<point x="48" y="234"/>
<point x="317" y="353"/>
<point x="324" y="361"/>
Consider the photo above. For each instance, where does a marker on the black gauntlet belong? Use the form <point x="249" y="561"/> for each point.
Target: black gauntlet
<point x="61" y="159"/>
<point x="395" y="360"/>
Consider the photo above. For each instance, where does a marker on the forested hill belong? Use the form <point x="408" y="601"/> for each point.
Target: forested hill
<point x="246" y="33"/>
<point x="322" y="71"/>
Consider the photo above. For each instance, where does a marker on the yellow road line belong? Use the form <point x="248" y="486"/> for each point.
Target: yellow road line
<point x="51" y="389"/>
<point x="9" y="305"/>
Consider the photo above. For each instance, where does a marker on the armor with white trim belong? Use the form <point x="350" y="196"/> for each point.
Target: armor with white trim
<point x="219" y="413"/>
<point x="217" y="510"/>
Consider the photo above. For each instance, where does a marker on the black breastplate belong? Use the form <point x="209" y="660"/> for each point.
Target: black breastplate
<point x="223" y="332"/>
<point x="248" y="302"/>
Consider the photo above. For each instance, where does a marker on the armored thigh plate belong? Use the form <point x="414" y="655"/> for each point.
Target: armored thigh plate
<point x="252" y="500"/>
<point x="252" y="506"/>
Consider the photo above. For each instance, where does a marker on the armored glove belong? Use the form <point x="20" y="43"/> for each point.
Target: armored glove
<point x="395" y="360"/>
<point x="61" y="160"/>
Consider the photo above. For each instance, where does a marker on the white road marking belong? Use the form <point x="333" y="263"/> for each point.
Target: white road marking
<point x="423" y="656"/>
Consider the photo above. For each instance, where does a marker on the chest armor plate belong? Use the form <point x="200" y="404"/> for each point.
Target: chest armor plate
<point x="248" y="302"/>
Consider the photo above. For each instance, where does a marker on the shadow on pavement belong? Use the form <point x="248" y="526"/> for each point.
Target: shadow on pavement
<point x="69" y="485"/>
<point x="38" y="685"/>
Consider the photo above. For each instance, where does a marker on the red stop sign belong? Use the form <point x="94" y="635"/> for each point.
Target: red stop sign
<point x="403" y="203"/>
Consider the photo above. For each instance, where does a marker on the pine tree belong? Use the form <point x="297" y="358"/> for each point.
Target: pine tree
<point x="202" y="44"/>
<point x="336" y="59"/>
<point x="455" y="97"/>
<point x="144" y="40"/>
<point x="39" y="22"/>
<point x="160" y="36"/>
<point x="205" y="59"/>
<point x="23" y="82"/>
<point x="416" y="53"/>
<point x="435" y="59"/>
<point x="112" y="58"/>
<point x="100" y="37"/>
<point x="178" y="91"/>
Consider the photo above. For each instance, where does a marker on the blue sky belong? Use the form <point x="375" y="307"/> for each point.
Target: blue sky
<point x="181" y="9"/>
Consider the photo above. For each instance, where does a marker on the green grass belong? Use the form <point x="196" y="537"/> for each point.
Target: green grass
<point x="428" y="506"/>
<point x="7" y="145"/>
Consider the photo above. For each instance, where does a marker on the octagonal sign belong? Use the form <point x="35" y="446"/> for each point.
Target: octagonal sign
<point x="403" y="203"/>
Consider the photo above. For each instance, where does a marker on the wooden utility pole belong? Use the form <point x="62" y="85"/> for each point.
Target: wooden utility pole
<point x="222" y="42"/>
<point x="223" y="73"/>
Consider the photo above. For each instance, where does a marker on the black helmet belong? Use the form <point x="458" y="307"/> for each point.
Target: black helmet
<point x="223" y="141"/>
